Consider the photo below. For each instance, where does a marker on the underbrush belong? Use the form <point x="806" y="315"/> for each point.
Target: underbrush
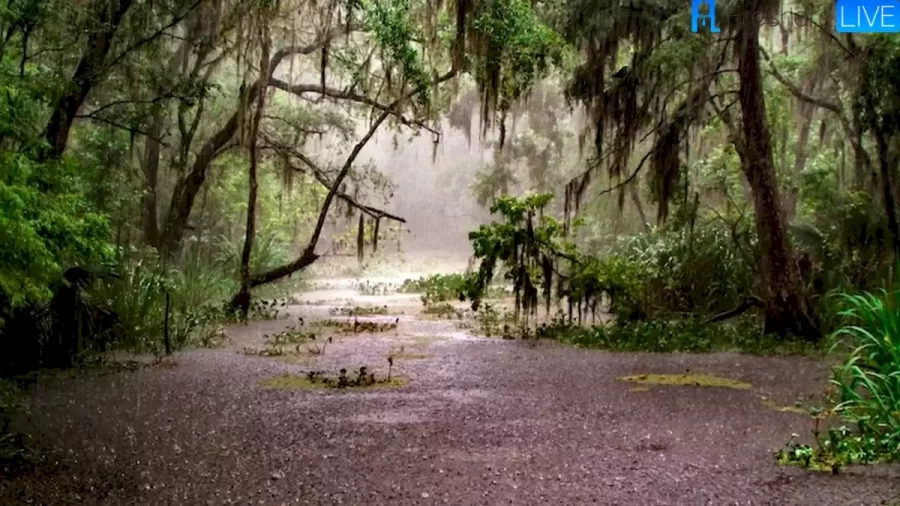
<point x="439" y="288"/>
<point x="131" y="306"/>
<point x="12" y="444"/>
<point x="865" y="391"/>
<point x="682" y="335"/>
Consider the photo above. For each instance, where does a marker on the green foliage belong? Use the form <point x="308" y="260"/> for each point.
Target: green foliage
<point x="879" y="96"/>
<point x="438" y="287"/>
<point x="391" y="24"/>
<point x="869" y="380"/>
<point x="46" y="226"/>
<point x="667" y="336"/>
<point x="512" y="50"/>
<point x="866" y="390"/>
<point x="138" y="297"/>
<point x="844" y="239"/>
<point x="707" y="269"/>
<point x="621" y="279"/>
<point x="524" y="244"/>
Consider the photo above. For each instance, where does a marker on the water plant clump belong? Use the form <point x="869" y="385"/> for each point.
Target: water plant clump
<point x="360" y="378"/>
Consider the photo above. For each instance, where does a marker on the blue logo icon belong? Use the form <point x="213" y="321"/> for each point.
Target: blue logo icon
<point x="703" y="14"/>
<point x="867" y="16"/>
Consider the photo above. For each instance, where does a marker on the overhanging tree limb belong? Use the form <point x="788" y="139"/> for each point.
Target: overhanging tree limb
<point x="836" y="108"/>
<point x="301" y="89"/>
<point x="319" y="175"/>
<point x="187" y="188"/>
<point x="309" y="255"/>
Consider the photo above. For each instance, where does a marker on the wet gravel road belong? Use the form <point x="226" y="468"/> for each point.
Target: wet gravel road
<point x="481" y="422"/>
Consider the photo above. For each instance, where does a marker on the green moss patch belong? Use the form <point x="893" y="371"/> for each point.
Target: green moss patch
<point x="410" y="356"/>
<point x="301" y="382"/>
<point x="689" y="380"/>
<point x="770" y="404"/>
<point x="292" y="382"/>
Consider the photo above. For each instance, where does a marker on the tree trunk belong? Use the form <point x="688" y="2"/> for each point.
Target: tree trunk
<point x="361" y="238"/>
<point x="800" y="155"/>
<point x="242" y="299"/>
<point x="375" y="236"/>
<point x="887" y="190"/>
<point x="786" y="308"/>
<point x="187" y="188"/>
<point x="150" y="168"/>
<point x="636" y="198"/>
<point x="87" y="73"/>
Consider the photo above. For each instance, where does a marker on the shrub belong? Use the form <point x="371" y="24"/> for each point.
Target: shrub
<point x="866" y="389"/>
<point x="443" y="287"/>
<point x="709" y="269"/>
<point x="666" y="336"/>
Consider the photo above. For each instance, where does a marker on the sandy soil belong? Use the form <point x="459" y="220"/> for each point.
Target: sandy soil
<point x="481" y="421"/>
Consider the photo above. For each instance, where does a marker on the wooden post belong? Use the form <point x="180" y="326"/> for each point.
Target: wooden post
<point x="360" y="238"/>
<point x="375" y="238"/>
<point x="166" y="342"/>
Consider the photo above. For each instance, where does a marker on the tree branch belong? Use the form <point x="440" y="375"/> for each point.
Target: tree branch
<point x="309" y="256"/>
<point x="300" y="89"/>
<point x="122" y="126"/>
<point x="150" y="38"/>
<point x="795" y="90"/>
<point x="319" y="174"/>
<point x="187" y="189"/>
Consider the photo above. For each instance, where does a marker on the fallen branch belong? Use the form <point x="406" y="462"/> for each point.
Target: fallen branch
<point x="751" y="302"/>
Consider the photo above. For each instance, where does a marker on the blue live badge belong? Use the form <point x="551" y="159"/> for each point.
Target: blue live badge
<point x="867" y="16"/>
<point x="703" y="14"/>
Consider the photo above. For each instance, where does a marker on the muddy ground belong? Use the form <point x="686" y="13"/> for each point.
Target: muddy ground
<point x="479" y="421"/>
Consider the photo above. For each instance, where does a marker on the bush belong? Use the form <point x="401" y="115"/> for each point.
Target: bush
<point x="666" y="336"/>
<point x="866" y="389"/>
<point x="442" y="288"/>
<point x="708" y="270"/>
<point x="868" y="382"/>
<point x="197" y="296"/>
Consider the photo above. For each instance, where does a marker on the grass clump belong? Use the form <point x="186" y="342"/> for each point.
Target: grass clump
<point x="443" y="310"/>
<point x="865" y="391"/>
<point x="359" y="311"/>
<point x="314" y="380"/>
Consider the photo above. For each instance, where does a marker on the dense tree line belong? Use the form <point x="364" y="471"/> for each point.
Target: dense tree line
<point x="181" y="133"/>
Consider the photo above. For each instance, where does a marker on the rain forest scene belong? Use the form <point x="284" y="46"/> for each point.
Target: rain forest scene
<point x="466" y="252"/>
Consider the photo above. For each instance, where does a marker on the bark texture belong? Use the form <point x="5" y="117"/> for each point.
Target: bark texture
<point x="786" y="308"/>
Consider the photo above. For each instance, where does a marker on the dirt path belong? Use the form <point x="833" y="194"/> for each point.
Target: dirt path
<point x="482" y="421"/>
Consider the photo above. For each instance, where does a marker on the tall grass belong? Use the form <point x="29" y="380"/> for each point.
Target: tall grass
<point x="865" y="389"/>
<point x="868" y="381"/>
<point x="197" y="295"/>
